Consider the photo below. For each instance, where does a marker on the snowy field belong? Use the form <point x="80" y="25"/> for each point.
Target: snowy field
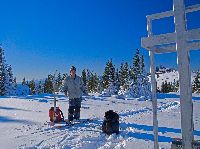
<point x="23" y="123"/>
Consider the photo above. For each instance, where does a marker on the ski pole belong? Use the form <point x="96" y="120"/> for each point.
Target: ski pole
<point x="54" y="95"/>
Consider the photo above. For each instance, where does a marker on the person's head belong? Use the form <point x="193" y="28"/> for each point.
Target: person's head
<point x="73" y="71"/>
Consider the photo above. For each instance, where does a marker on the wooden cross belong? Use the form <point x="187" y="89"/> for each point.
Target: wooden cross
<point x="181" y="41"/>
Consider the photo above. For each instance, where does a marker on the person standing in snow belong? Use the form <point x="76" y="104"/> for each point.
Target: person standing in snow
<point x="73" y="88"/>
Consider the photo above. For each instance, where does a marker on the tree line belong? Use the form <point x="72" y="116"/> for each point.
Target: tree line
<point x="129" y="79"/>
<point x="112" y="81"/>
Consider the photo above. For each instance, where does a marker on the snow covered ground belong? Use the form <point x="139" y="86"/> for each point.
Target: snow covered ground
<point x="23" y="123"/>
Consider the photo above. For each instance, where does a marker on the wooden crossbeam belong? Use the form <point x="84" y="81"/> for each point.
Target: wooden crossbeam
<point x="158" y="40"/>
<point x="170" y="13"/>
<point x="193" y="34"/>
<point x="194" y="45"/>
<point x="169" y="38"/>
<point x="163" y="49"/>
<point x="172" y="48"/>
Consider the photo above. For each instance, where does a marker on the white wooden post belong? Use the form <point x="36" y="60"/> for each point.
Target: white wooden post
<point x="182" y="41"/>
<point x="153" y="88"/>
<point x="184" y="74"/>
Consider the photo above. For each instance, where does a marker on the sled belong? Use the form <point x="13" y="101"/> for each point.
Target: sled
<point x="67" y="124"/>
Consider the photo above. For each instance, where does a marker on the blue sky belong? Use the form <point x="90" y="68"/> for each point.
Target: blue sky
<point x="40" y="36"/>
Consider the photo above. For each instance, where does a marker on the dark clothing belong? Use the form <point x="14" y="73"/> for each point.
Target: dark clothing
<point x="74" y="109"/>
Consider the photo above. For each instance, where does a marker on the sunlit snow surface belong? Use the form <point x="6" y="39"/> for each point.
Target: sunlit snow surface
<point x="23" y="122"/>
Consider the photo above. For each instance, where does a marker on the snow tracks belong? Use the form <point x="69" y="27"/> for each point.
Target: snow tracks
<point x="133" y="130"/>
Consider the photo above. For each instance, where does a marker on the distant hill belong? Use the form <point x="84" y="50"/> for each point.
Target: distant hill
<point x="168" y="74"/>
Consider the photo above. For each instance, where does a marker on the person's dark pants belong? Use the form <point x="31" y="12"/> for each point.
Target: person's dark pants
<point x="74" y="109"/>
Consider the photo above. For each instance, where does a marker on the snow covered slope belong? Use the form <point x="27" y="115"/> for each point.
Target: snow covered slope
<point x="23" y="123"/>
<point x="169" y="75"/>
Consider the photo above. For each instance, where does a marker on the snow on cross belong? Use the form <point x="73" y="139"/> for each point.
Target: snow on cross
<point x="181" y="41"/>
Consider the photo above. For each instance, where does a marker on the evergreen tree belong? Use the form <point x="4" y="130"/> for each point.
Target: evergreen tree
<point x="96" y="82"/>
<point x="163" y="87"/>
<point x="167" y="87"/>
<point x="93" y="83"/>
<point x="117" y="75"/>
<point x="117" y="80"/>
<point x="140" y="90"/>
<point x="40" y="88"/>
<point x="157" y="68"/>
<point x="177" y="86"/>
<point x="134" y="82"/>
<point x="124" y="75"/>
<point x="137" y="63"/>
<point x="84" y="77"/>
<point x="64" y="76"/>
<point x="106" y="76"/>
<point x="196" y="84"/>
<point x="24" y="81"/>
<point x="136" y="67"/>
<point x="109" y="74"/>
<point x="7" y="85"/>
<point x="58" y="82"/>
<point x="90" y="82"/>
<point x="142" y="64"/>
<point x="32" y="87"/>
<point x="112" y="72"/>
<point x="10" y="88"/>
<point x="121" y="78"/>
<point x="15" y="81"/>
<point x="2" y="73"/>
<point x="48" y="85"/>
<point x="88" y="76"/>
<point x="100" y="86"/>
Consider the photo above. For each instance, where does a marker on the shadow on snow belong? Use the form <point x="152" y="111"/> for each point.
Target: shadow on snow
<point x="10" y="108"/>
<point x="146" y="136"/>
<point x="4" y="119"/>
<point x="172" y="95"/>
